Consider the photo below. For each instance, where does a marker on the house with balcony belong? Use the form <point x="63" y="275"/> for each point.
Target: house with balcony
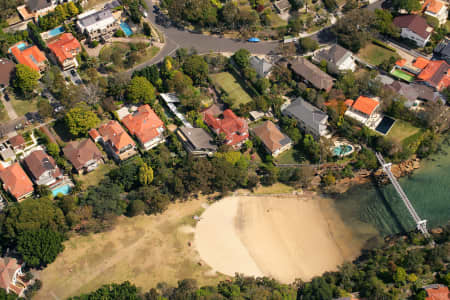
<point x="10" y="276"/>
<point x="275" y="142"/>
<point x="437" y="9"/>
<point x="64" y="51"/>
<point x="146" y="126"/>
<point x="83" y="155"/>
<point x="115" y="139"/>
<point x="226" y="123"/>
<point x="42" y="168"/>
<point x="98" y="25"/>
<point x="16" y="182"/>
<point x="309" y="118"/>
<point x="363" y="109"/>
<point x="415" y="28"/>
<point x="28" y="55"/>
<point x="38" y="8"/>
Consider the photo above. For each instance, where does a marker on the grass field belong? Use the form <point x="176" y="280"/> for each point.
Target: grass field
<point x="3" y="113"/>
<point x="401" y="131"/>
<point x="229" y="84"/>
<point x="290" y="156"/>
<point x="23" y="106"/>
<point x="277" y="188"/>
<point x="145" y="250"/>
<point x="403" y="75"/>
<point x="374" y="54"/>
<point x="94" y="177"/>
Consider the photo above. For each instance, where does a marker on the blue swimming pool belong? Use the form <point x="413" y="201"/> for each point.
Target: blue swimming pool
<point x="64" y="189"/>
<point x="126" y="29"/>
<point x="22" y="46"/>
<point x="56" y="31"/>
<point x="342" y="150"/>
<point x="385" y="125"/>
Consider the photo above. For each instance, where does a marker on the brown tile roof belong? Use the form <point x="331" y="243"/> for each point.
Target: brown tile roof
<point x="143" y="124"/>
<point x="271" y="136"/>
<point x="113" y="133"/>
<point x="17" y="141"/>
<point x="318" y="78"/>
<point x="16" y="181"/>
<point x="6" y="71"/>
<point x="416" y="24"/>
<point x="81" y="152"/>
<point x="8" y="266"/>
<point x="38" y="162"/>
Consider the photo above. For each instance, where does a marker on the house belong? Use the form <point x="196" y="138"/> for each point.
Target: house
<point x="260" y="65"/>
<point x="234" y="129"/>
<point x="437" y="292"/>
<point x="338" y="59"/>
<point x="442" y="51"/>
<point x="17" y="142"/>
<point x="7" y="154"/>
<point x="37" y="8"/>
<point x="282" y="6"/>
<point x="274" y="141"/>
<point x="412" y="92"/>
<point x="436" y="74"/>
<point x="311" y="119"/>
<point x="64" y="50"/>
<point x="16" y="182"/>
<point x="42" y="168"/>
<point x="436" y="9"/>
<point x="30" y="56"/>
<point x="197" y="141"/>
<point x="312" y="74"/>
<point x="6" y="72"/>
<point x="10" y="273"/>
<point x="115" y="139"/>
<point x="362" y="109"/>
<point x="98" y="25"/>
<point x="415" y="28"/>
<point x="83" y="155"/>
<point x="146" y="126"/>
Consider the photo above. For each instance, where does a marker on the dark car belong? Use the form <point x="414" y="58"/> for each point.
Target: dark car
<point x="6" y="97"/>
<point x="73" y="72"/>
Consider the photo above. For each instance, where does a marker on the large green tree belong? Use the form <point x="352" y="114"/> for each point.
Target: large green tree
<point x="408" y="5"/>
<point x="39" y="248"/>
<point x="122" y="291"/>
<point x="242" y="58"/>
<point x="140" y="90"/>
<point x="80" y="119"/>
<point x="196" y="68"/>
<point x="25" y="79"/>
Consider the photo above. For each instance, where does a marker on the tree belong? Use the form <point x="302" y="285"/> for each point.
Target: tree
<point x="408" y="5"/>
<point x="140" y="90"/>
<point x="45" y="109"/>
<point x="39" y="248"/>
<point x="145" y="174"/>
<point x="53" y="149"/>
<point x="72" y="9"/>
<point x="135" y="208"/>
<point x="242" y="58"/>
<point x="125" y="290"/>
<point x="196" y="68"/>
<point x="105" y="199"/>
<point x="80" y="119"/>
<point x="384" y="23"/>
<point x="399" y="275"/>
<point x="25" y="79"/>
<point x="307" y="44"/>
<point x="146" y="28"/>
<point x="119" y="33"/>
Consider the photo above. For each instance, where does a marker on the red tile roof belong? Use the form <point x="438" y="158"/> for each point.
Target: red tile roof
<point x="143" y="124"/>
<point x="416" y="24"/>
<point x="114" y="133"/>
<point x="65" y="47"/>
<point x="234" y="128"/>
<point x="400" y="62"/>
<point x="420" y="62"/>
<point x="93" y="133"/>
<point x="15" y="181"/>
<point x="440" y="292"/>
<point x="436" y="74"/>
<point x="433" y="6"/>
<point x="30" y="56"/>
<point x="365" y="105"/>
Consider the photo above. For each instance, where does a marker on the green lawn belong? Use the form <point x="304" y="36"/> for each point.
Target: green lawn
<point x="3" y="113"/>
<point x="23" y="106"/>
<point x="231" y="86"/>
<point x="403" y="75"/>
<point x="94" y="177"/>
<point x="401" y="131"/>
<point x="290" y="156"/>
<point x="374" y="54"/>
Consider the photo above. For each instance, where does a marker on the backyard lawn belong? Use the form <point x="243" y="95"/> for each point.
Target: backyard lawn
<point x="290" y="156"/>
<point x="401" y="131"/>
<point x="23" y="106"/>
<point x="374" y="54"/>
<point x="94" y="177"/>
<point x="229" y="84"/>
<point x="3" y="113"/>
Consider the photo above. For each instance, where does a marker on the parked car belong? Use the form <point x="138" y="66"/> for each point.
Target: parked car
<point x="145" y="14"/>
<point x="73" y="72"/>
<point x="253" y="40"/>
<point x="6" y="97"/>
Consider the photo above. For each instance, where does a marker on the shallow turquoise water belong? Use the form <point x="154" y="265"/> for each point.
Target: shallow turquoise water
<point x="64" y="189"/>
<point x="428" y="189"/>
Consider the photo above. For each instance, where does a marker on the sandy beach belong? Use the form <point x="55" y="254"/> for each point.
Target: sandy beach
<point x="285" y="237"/>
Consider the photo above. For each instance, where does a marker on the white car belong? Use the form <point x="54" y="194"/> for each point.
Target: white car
<point x="145" y="14"/>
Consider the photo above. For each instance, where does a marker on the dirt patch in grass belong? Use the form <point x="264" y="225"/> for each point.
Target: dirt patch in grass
<point x="401" y="131"/>
<point x="277" y="188"/>
<point x="374" y="54"/>
<point x="145" y="250"/>
<point x="231" y="86"/>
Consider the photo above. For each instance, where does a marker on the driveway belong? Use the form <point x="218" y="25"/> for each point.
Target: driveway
<point x="9" y="108"/>
<point x="75" y="78"/>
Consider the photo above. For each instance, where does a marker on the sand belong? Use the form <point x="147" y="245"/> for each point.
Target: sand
<point x="286" y="237"/>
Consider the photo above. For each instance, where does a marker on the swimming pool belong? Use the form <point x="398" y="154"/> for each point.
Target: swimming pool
<point x="126" y="29"/>
<point x="56" y="31"/>
<point x="342" y="150"/>
<point x="21" y="46"/>
<point x="385" y="125"/>
<point x="63" y="189"/>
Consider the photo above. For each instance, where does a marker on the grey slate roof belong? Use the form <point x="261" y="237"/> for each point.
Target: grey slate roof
<point x="336" y="54"/>
<point x="199" y="138"/>
<point x="261" y="66"/>
<point x="307" y="113"/>
<point x="35" y="5"/>
<point x="113" y="4"/>
<point x="318" y="78"/>
<point x="95" y="17"/>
